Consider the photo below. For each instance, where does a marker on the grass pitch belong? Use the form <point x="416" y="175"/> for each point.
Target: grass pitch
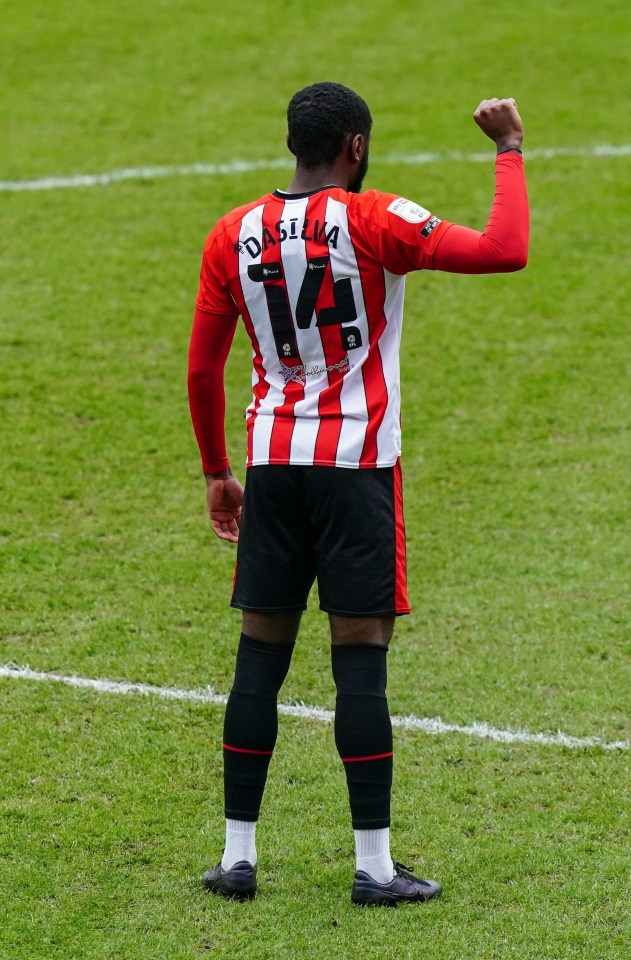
<point x="516" y="451"/>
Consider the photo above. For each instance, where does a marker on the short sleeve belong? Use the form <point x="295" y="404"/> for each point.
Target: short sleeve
<point x="214" y="295"/>
<point x="403" y="235"/>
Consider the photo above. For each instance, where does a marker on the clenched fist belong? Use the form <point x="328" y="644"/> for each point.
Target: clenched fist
<point x="501" y="122"/>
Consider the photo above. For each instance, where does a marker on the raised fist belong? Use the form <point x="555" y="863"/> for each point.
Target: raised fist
<point x="501" y="122"/>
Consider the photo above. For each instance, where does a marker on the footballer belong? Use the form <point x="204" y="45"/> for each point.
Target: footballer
<point x="317" y="274"/>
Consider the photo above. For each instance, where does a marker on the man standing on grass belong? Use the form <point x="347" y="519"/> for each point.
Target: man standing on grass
<point x="317" y="272"/>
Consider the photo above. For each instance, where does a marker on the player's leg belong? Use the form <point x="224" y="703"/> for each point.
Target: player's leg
<point x="277" y="627"/>
<point x="272" y="581"/>
<point x="346" y="631"/>
<point x="362" y="582"/>
<point x="251" y="725"/>
<point x="363" y="734"/>
<point x="362" y="587"/>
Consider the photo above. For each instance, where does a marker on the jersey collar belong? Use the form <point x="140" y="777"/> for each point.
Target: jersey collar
<point x="282" y="195"/>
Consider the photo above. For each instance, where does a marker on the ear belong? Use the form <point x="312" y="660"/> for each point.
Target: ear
<point x="357" y="147"/>
<point x="290" y="145"/>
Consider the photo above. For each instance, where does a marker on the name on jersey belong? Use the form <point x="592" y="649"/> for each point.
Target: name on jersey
<point x="318" y="231"/>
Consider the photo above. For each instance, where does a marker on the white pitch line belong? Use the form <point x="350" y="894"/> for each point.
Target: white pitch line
<point x="600" y="151"/>
<point x="426" y="724"/>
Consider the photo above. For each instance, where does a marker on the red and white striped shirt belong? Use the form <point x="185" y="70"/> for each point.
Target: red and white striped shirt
<point x="319" y="282"/>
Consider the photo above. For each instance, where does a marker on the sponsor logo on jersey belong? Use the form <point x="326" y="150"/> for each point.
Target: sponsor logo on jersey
<point x="429" y="226"/>
<point x="411" y="212"/>
<point x="260" y="272"/>
<point x="300" y="372"/>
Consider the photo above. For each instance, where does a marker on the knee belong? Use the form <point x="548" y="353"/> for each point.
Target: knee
<point x="279" y="627"/>
<point x="375" y="631"/>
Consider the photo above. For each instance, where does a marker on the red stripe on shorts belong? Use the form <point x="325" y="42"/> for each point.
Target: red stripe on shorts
<point x="401" y="602"/>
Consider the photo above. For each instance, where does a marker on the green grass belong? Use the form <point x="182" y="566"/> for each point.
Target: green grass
<point x="114" y="808"/>
<point x="516" y="459"/>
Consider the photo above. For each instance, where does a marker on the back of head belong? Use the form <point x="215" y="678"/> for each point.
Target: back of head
<point x="321" y="118"/>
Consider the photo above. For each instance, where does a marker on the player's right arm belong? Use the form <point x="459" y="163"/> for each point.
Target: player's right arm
<point x="407" y="237"/>
<point x="503" y="246"/>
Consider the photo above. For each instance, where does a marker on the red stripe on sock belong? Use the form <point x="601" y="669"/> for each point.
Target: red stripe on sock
<point x="258" y="753"/>
<point x="376" y="756"/>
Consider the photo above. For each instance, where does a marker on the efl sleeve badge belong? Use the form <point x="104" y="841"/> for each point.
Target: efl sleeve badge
<point x="411" y="212"/>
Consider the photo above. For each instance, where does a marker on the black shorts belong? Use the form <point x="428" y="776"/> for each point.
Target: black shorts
<point x="343" y="526"/>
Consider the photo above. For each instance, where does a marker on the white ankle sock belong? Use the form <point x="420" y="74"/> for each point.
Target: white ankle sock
<point x="372" y="854"/>
<point x="240" y="843"/>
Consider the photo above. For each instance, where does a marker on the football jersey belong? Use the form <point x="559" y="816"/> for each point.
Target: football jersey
<point x="319" y="281"/>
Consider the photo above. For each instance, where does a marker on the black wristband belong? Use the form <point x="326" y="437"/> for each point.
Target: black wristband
<point x="509" y="150"/>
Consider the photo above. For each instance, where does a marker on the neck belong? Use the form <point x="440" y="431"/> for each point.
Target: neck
<point x="314" y="179"/>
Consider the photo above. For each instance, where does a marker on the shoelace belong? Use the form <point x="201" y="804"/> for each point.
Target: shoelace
<point x="401" y="868"/>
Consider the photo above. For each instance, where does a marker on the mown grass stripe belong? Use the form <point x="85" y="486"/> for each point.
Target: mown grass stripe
<point x="599" y="151"/>
<point x="433" y="725"/>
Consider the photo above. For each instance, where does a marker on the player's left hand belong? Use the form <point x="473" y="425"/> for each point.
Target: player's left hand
<point x="224" y="495"/>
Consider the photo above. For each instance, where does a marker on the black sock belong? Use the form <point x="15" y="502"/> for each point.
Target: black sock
<point x="363" y="732"/>
<point x="251" y="724"/>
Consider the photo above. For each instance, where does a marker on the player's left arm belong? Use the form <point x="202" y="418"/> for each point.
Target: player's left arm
<point x="213" y="331"/>
<point x="211" y="339"/>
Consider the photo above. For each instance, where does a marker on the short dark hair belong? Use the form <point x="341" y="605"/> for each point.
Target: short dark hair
<point x="321" y="117"/>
